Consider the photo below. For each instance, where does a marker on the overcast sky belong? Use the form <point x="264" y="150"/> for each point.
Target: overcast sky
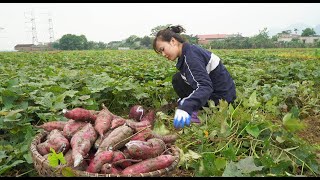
<point x="117" y="21"/>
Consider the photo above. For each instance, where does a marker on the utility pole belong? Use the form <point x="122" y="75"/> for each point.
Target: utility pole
<point x="34" y="30"/>
<point x="51" y="29"/>
<point x="51" y="34"/>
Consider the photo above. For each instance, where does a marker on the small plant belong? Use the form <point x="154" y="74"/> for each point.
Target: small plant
<point x="58" y="159"/>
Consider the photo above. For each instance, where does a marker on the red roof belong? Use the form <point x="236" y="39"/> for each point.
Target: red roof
<point x="212" y="36"/>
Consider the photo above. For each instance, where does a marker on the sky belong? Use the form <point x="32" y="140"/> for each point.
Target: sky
<point x="107" y="22"/>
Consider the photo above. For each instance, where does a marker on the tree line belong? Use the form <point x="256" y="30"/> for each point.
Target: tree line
<point x="261" y="40"/>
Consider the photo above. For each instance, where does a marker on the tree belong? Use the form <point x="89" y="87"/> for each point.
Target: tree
<point x="190" y="38"/>
<point x="73" y="42"/>
<point x="131" y="39"/>
<point x="146" y="41"/>
<point x="261" y="40"/>
<point x="155" y="30"/>
<point x="308" y="32"/>
<point x="295" y="30"/>
<point x="102" y="45"/>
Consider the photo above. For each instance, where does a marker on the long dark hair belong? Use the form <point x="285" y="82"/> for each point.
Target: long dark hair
<point x="167" y="34"/>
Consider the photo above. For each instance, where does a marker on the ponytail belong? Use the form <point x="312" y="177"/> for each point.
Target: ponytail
<point x="167" y="34"/>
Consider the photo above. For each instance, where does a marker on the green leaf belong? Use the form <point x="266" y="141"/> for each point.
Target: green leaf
<point x="291" y="123"/>
<point x="247" y="165"/>
<point x="280" y="139"/>
<point x="5" y="167"/>
<point x="253" y="130"/>
<point x="160" y="128"/>
<point x="207" y="165"/>
<point x="191" y="155"/>
<point x="230" y="153"/>
<point x="2" y="155"/>
<point x="252" y="101"/>
<point x="231" y="170"/>
<point x="55" y="159"/>
<point x="220" y="163"/>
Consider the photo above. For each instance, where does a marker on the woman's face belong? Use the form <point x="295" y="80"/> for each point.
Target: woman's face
<point x="170" y="50"/>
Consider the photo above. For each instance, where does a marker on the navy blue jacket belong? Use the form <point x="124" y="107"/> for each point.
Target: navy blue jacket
<point x="206" y="74"/>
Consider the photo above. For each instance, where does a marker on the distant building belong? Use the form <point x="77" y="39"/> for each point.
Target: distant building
<point x="23" y="47"/>
<point x="304" y="39"/>
<point x="123" y="48"/>
<point x="287" y="37"/>
<point x="205" y="39"/>
<point x="33" y="47"/>
<point x="310" y="39"/>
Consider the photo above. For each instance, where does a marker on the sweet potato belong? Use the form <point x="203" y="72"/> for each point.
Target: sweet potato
<point x="136" y="112"/>
<point x="117" y="121"/>
<point x="80" y="114"/>
<point x="145" y="149"/>
<point x="81" y="143"/>
<point x="116" y="139"/>
<point x="151" y="164"/>
<point x="99" y="159"/>
<point x="117" y="157"/>
<point x="142" y="134"/>
<point x="55" y="140"/>
<point x="110" y="169"/>
<point x="71" y="127"/>
<point x="136" y="125"/>
<point x="68" y="157"/>
<point x="49" y="126"/>
<point x="168" y="139"/>
<point x="100" y="139"/>
<point x="150" y="116"/>
<point x="103" y="121"/>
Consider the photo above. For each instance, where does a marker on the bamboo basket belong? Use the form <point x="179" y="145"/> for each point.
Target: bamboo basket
<point x="43" y="167"/>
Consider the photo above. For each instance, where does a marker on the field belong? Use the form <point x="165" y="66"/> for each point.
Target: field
<point x="272" y="129"/>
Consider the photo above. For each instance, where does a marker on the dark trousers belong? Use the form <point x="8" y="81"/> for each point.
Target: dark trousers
<point x="183" y="89"/>
<point x="180" y="86"/>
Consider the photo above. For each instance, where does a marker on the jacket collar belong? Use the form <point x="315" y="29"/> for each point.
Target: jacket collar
<point x="185" y="46"/>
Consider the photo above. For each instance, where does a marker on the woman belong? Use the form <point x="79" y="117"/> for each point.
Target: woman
<point x="201" y="76"/>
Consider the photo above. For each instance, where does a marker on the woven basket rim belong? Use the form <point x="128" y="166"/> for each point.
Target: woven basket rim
<point x="36" y="156"/>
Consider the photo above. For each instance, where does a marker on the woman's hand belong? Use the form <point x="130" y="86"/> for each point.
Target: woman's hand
<point x="181" y="118"/>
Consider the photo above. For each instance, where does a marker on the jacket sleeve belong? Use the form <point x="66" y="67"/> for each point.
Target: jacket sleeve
<point x="199" y="78"/>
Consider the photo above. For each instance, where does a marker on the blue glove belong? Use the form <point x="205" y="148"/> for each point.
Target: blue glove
<point x="181" y="118"/>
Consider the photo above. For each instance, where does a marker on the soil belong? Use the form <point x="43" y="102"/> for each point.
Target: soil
<point x="312" y="132"/>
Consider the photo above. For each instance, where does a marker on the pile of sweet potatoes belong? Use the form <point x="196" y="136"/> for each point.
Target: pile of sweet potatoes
<point x="105" y="143"/>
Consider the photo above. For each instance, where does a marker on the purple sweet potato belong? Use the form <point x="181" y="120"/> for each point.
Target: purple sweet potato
<point x="168" y="138"/>
<point x="72" y="127"/>
<point x="116" y="139"/>
<point x="81" y="143"/>
<point x="100" y="139"/>
<point x="150" y="116"/>
<point x="98" y="160"/>
<point x="142" y="134"/>
<point x="136" y="125"/>
<point x="80" y="114"/>
<point x="148" y="165"/>
<point x="103" y="121"/>
<point x="136" y="112"/>
<point x="145" y="149"/>
<point x="55" y="140"/>
<point x="49" y="126"/>
<point x="68" y="157"/>
<point x="117" y="121"/>
<point x="110" y="169"/>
